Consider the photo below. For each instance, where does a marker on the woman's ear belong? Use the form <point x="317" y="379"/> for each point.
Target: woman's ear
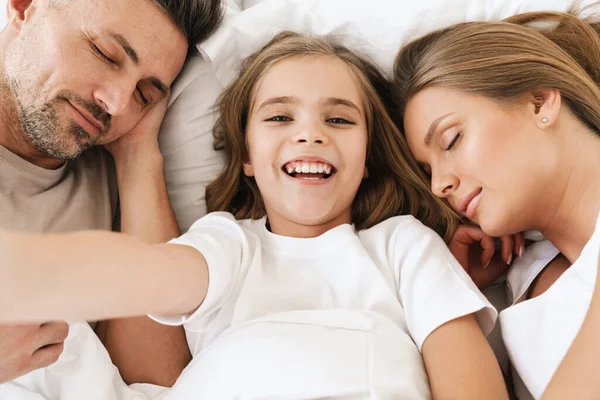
<point x="546" y="105"/>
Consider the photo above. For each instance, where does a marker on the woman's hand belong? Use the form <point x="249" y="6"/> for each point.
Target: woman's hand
<point x="476" y="252"/>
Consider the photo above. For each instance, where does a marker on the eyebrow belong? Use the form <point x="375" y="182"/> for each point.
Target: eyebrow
<point x="126" y="47"/>
<point x="331" y="101"/>
<point x="433" y="128"/>
<point x="278" y="100"/>
<point x="131" y="53"/>
<point x="334" y="101"/>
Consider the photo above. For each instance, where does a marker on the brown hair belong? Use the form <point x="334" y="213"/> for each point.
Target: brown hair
<point x="392" y="187"/>
<point x="506" y="60"/>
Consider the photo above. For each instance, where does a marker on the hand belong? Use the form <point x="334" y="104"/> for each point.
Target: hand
<point x="143" y="134"/>
<point x="476" y="252"/>
<point x="24" y="348"/>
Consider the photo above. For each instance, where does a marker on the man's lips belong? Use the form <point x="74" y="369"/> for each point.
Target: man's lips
<point x="88" y="117"/>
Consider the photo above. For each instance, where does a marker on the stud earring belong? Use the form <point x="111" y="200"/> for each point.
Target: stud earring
<point x="544" y="120"/>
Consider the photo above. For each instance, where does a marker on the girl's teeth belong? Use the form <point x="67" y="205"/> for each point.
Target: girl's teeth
<point x="305" y="168"/>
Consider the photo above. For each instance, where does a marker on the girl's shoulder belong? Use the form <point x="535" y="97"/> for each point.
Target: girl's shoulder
<point x="403" y="232"/>
<point x="407" y="225"/>
<point x="225" y="221"/>
<point x="217" y="217"/>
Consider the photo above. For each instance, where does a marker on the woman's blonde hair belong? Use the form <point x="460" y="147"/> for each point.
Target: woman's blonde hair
<point x="506" y="60"/>
<point x="392" y="188"/>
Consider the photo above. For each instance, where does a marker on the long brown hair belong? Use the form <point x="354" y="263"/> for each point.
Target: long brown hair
<point x="507" y="60"/>
<point x="392" y="188"/>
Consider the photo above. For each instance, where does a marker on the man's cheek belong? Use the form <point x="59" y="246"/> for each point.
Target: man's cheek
<point x="119" y="128"/>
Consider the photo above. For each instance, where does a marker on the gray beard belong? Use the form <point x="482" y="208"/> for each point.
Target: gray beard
<point x="40" y="126"/>
<point x="42" y="130"/>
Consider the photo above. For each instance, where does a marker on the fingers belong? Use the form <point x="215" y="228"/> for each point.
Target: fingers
<point x="466" y="235"/>
<point x="52" y="333"/>
<point x="519" y="249"/>
<point x="488" y="249"/>
<point x="46" y="355"/>
<point x="506" y="249"/>
<point x="512" y="245"/>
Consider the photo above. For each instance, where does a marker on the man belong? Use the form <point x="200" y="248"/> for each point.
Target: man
<point x="79" y="77"/>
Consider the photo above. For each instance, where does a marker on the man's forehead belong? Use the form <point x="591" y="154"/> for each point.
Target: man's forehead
<point x="144" y="31"/>
<point x="141" y="17"/>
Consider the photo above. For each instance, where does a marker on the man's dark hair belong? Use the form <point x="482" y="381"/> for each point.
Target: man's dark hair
<point x="197" y="19"/>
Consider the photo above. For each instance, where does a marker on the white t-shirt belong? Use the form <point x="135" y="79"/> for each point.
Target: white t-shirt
<point x="538" y="332"/>
<point x="340" y="315"/>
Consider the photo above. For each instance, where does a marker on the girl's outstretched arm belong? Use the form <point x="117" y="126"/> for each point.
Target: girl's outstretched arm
<point x="96" y="275"/>
<point x="461" y="364"/>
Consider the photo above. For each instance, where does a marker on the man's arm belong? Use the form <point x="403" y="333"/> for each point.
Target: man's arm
<point x="144" y="350"/>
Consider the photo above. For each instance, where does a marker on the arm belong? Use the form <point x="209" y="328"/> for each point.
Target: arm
<point x="96" y="275"/>
<point x="441" y="304"/>
<point x="577" y="376"/>
<point x="461" y="364"/>
<point x="144" y="350"/>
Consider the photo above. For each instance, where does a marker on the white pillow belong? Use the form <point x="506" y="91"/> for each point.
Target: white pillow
<point x="186" y="140"/>
<point x="377" y="27"/>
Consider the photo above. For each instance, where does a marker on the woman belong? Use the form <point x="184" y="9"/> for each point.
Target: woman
<point x="504" y="119"/>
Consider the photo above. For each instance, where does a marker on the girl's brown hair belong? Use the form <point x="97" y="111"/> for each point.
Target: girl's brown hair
<point x="392" y="188"/>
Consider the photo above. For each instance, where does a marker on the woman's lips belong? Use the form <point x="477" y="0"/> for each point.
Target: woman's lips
<point x="467" y="205"/>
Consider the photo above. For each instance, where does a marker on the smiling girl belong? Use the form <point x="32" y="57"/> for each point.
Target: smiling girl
<point x="307" y="282"/>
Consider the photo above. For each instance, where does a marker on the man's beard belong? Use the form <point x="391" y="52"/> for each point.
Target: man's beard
<point x="44" y="131"/>
<point x="49" y="138"/>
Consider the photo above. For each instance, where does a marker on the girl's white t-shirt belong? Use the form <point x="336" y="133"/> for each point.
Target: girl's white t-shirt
<point x="342" y="315"/>
<point x="538" y="332"/>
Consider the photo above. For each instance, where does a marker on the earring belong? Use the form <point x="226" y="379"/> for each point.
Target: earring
<point x="544" y="120"/>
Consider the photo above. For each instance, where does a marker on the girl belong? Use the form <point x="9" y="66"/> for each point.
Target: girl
<point x="504" y="119"/>
<point x="306" y="283"/>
